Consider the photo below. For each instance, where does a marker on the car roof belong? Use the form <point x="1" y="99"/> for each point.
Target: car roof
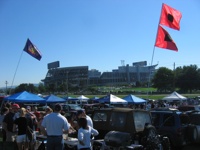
<point x="164" y="109"/>
<point x="118" y="109"/>
<point x="94" y="104"/>
<point x="188" y="106"/>
<point x="71" y="104"/>
<point x="167" y="112"/>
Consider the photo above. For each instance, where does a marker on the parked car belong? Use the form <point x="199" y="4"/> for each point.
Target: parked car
<point x="89" y="108"/>
<point x="122" y="127"/>
<point x="70" y="107"/>
<point x="189" y="108"/>
<point x="175" y="125"/>
<point x="194" y="132"/>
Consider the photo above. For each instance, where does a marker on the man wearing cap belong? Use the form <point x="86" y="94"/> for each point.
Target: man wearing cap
<point x="9" y="121"/>
<point x="81" y="113"/>
<point x="31" y="117"/>
<point x="54" y="125"/>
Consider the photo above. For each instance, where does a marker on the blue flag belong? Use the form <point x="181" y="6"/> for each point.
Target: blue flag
<point x="32" y="50"/>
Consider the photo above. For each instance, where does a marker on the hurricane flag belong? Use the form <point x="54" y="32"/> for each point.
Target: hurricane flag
<point x="31" y="49"/>
<point x="164" y="40"/>
<point x="170" y="17"/>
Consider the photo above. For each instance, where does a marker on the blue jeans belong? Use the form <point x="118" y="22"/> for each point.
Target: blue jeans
<point x="55" y="143"/>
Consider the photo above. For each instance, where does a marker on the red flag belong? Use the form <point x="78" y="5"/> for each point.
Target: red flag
<point x="170" y="17"/>
<point x="164" y="40"/>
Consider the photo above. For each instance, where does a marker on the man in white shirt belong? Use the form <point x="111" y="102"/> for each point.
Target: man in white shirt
<point x="54" y="125"/>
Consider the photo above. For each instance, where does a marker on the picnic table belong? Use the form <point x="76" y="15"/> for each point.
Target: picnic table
<point x="68" y="141"/>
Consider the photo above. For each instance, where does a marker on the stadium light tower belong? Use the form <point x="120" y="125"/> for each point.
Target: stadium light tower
<point x="6" y="82"/>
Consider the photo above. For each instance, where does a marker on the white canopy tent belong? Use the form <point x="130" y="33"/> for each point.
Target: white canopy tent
<point x="174" y="97"/>
<point x="112" y="99"/>
<point x="82" y="100"/>
<point x="116" y="100"/>
<point x="82" y="97"/>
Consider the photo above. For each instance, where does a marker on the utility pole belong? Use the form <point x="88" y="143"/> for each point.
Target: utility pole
<point x="6" y="82"/>
<point x="67" y="83"/>
<point x="174" y="77"/>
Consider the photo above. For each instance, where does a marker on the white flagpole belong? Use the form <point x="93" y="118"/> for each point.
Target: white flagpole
<point x="156" y="37"/>
<point x="153" y="53"/>
<point x="13" y="79"/>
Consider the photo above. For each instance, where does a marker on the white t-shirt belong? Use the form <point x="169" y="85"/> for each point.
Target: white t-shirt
<point x="84" y="135"/>
<point x="55" y="123"/>
<point x="89" y="121"/>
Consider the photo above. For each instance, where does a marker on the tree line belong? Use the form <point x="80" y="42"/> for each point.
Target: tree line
<point x="186" y="79"/>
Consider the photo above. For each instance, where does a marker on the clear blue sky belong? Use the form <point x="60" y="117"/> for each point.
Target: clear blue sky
<point x="94" y="33"/>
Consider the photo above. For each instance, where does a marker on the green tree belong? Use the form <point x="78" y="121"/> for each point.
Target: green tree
<point x="25" y="87"/>
<point x="187" y="78"/>
<point x="51" y="88"/>
<point x="163" y="79"/>
<point x="41" y="88"/>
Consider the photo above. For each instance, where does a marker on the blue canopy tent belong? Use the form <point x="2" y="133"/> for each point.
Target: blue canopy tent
<point x="25" y="97"/>
<point x="131" y="99"/>
<point x="94" y="98"/>
<point x="54" y="99"/>
<point x="71" y="100"/>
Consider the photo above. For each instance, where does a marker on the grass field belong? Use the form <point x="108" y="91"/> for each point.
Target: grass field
<point x="145" y="93"/>
<point x="137" y="92"/>
<point x="144" y="96"/>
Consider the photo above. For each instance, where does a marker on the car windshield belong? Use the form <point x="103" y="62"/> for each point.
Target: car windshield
<point x="140" y="119"/>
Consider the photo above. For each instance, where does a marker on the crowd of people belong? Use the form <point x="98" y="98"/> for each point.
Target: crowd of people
<point x="51" y="123"/>
<point x="14" y="121"/>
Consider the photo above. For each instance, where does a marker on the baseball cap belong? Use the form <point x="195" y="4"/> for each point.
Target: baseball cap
<point x="15" y="106"/>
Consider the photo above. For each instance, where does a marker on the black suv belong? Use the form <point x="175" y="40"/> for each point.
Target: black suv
<point x="120" y="127"/>
<point x="173" y="124"/>
<point x="194" y="131"/>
